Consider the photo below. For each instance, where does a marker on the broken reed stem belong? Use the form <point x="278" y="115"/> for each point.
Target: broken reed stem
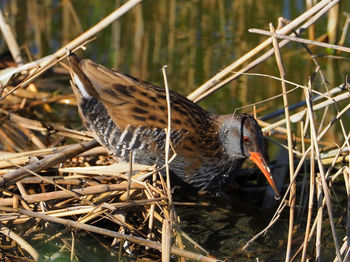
<point x="110" y="233"/>
<point x="321" y="170"/>
<point x="91" y="190"/>
<point x="292" y="194"/>
<point x="167" y="223"/>
<point x="46" y="162"/>
<point x="19" y="184"/>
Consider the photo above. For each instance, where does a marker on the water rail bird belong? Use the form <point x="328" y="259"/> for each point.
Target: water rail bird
<point x="125" y="114"/>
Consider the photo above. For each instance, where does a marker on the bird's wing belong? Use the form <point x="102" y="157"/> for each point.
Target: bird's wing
<point x="130" y="101"/>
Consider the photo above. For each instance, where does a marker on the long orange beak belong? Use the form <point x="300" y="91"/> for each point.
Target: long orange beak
<point x="259" y="160"/>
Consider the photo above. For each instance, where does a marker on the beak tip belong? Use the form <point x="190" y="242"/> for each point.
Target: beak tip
<point x="258" y="159"/>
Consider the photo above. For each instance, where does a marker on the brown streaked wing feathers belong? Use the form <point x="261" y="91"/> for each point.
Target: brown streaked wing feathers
<point x="133" y="102"/>
<point x="130" y="101"/>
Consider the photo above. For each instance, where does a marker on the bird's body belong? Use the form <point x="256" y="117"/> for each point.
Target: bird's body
<point x="125" y="114"/>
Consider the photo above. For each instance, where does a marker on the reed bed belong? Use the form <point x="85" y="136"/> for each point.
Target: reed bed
<point x="50" y="172"/>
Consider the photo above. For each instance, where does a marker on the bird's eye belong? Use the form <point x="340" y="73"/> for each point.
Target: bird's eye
<point x="246" y="140"/>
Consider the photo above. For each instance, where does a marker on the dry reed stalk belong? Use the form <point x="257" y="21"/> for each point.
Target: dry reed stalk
<point x="167" y="227"/>
<point x="311" y="202"/>
<point x="79" y="210"/>
<point x="311" y="30"/>
<point x="292" y="194"/>
<point x="46" y="162"/>
<point x="6" y="76"/>
<point x="166" y="239"/>
<point x="10" y="40"/>
<point x="332" y="23"/>
<point x="345" y="29"/>
<point x="64" y="99"/>
<point x="41" y="152"/>
<point x="319" y="219"/>
<point x="344" y="250"/>
<point x="301" y="40"/>
<point x="181" y="233"/>
<point x="322" y="173"/>
<point x="129" y="176"/>
<point x="302" y="201"/>
<point x="347" y="240"/>
<point x="96" y="212"/>
<point x="116" y="169"/>
<point x="73" y="246"/>
<point x="33" y="138"/>
<point x="335" y="160"/>
<point x="20" y="241"/>
<point x="150" y="234"/>
<point x="97" y="189"/>
<point x="301" y="139"/>
<point x="59" y="180"/>
<point x="17" y="161"/>
<point x="21" y="189"/>
<point x="49" y="181"/>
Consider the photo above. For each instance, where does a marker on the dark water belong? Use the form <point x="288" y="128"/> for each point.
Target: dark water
<point x="196" y="39"/>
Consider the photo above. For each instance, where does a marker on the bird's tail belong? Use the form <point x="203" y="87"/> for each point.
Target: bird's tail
<point x="82" y="86"/>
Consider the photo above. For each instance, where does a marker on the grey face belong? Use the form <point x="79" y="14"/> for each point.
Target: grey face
<point x="241" y="135"/>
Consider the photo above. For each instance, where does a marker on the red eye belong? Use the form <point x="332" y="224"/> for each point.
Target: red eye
<point x="246" y="140"/>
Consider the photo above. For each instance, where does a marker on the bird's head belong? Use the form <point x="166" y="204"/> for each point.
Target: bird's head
<point x="241" y="137"/>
